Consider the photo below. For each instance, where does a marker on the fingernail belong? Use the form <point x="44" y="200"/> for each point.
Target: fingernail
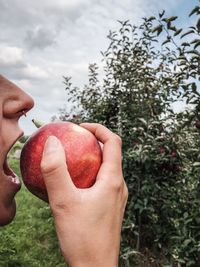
<point x="51" y="145"/>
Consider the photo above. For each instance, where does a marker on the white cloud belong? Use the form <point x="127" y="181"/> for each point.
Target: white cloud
<point x="66" y="5"/>
<point x="40" y="37"/>
<point x="13" y="63"/>
<point x="34" y="72"/>
<point x="10" y="55"/>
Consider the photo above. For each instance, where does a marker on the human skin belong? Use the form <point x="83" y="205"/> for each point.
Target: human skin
<point x="88" y="221"/>
<point x="13" y="102"/>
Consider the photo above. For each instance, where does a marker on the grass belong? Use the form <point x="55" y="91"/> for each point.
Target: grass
<point x="30" y="240"/>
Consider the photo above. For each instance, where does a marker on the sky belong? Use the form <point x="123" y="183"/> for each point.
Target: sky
<point x="43" y="40"/>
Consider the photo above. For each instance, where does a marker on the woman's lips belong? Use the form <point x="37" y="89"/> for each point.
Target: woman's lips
<point x="10" y="174"/>
<point x="7" y="170"/>
<point x="11" y="179"/>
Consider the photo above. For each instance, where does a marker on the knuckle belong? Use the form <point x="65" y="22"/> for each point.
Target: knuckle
<point x="117" y="139"/>
<point x="117" y="186"/>
<point x="125" y="193"/>
<point x="44" y="166"/>
<point x="49" y="166"/>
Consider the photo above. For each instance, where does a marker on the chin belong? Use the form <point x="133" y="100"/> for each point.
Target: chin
<point x="7" y="214"/>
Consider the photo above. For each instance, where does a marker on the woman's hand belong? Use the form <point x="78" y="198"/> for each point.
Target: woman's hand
<point x="88" y="221"/>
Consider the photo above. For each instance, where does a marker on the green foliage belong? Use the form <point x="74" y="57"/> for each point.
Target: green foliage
<point x="30" y="240"/>
<point x="147" y="69"/>
<point x="23" y="139"/>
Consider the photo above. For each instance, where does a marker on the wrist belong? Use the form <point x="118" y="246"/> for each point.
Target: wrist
<point x="91" y="256"/>
<point x="104" y="261"/>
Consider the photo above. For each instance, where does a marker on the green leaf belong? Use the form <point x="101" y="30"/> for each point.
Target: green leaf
<point x="177" y="32"/>
<point x="173" y="28"/>
<point x="143" y="121"/>
<point x="172" y="18"/>
<point x="196" y="164"/>
<point x="151" y="18"/>
<point x="195" y="41"/>
<point x="197" y="44"/>
<point x="182" y="58"/>
<point x="187" y="33"/>
<point x="161" y="14"/>
<point x="194" y="87"/>
<point x="195" y="10"/>
<point x="196" y="52"/>
<point x="166" y="41"/>
<point x="185" y="44"/>
<point x="157" y="29"/>
<point x="181" y="63"/>
<point x="198" y="25"/>
<point x="187" y="242"/>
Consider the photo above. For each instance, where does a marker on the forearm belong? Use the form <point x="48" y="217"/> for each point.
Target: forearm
<point x="105" y="262"/>
<point x="95" y="258"/>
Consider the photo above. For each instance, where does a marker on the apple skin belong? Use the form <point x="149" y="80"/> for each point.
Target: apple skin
<point x="82" y="150"/>
<point x="197" y="124"/>
<point x="174" y="153"/>
<point x="162" y="150"/>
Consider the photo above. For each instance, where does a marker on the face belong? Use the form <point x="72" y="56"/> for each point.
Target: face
<point x="13" y="104"/>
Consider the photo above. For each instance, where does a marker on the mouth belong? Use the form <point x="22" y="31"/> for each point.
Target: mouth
<point x="7" y="170"/>
<point x="10" y="173"/>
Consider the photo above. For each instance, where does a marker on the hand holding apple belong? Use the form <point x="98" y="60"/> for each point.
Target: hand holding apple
<point x="82" y="151"/>
<point x="88" y="221"/>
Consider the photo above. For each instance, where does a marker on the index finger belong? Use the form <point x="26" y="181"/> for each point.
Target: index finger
<point x="112" y="153"/>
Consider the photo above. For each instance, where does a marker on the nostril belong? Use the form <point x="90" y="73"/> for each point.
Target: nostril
<point x="26" y="103"/>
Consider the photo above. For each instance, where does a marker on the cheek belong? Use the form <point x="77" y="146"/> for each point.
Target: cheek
<point x="7" y="205"/>
<point x="8" y="133"/>
<point x="1" y="135"/>
<point x="7" y="213"/>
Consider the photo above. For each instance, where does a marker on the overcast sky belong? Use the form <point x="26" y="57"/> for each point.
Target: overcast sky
<point x="43" y="40"/>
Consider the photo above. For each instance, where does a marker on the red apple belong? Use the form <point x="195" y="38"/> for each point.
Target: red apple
<point x="162" y="150"/>
<point x="83" y="156"/>
<point x="197" y="124"/>
<point x="174" y="153"/>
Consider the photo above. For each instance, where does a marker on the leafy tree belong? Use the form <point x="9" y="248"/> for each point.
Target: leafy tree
<point x="148" y="69"/>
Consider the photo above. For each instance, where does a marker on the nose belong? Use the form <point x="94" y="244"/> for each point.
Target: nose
<point x="17" y="102"/>
<point x="18" y="105"/>
<point x="23" y="104"/>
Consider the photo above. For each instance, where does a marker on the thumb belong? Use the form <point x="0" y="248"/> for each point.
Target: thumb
<point x="54" y="170"/>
